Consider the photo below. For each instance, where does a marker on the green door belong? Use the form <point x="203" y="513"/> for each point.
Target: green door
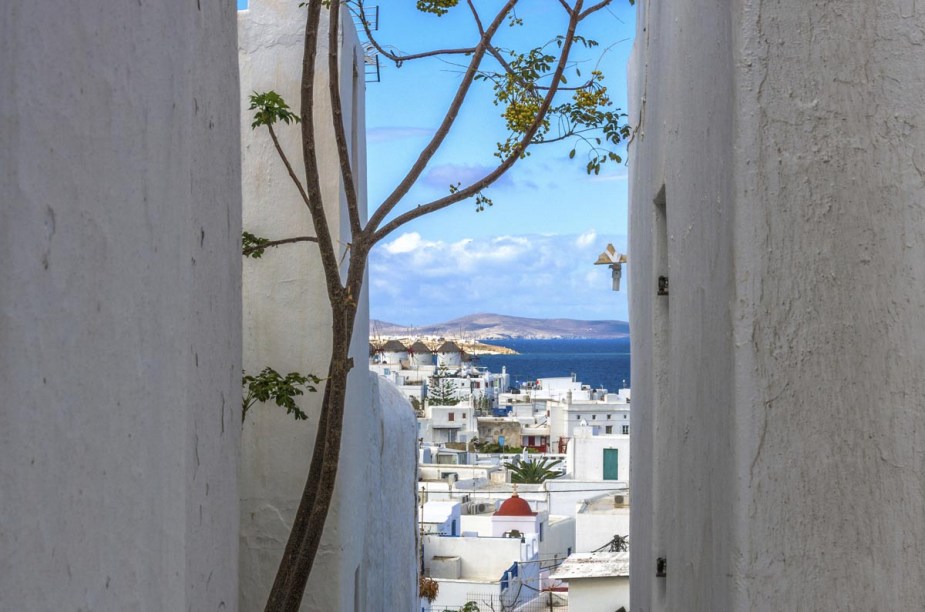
<point x="610" y="464"/>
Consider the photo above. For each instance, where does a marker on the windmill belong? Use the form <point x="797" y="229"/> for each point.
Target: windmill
<point x="615" y="261"/>
<point x="375" y="344"/>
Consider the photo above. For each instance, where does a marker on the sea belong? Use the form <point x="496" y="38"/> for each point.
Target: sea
<point x="595" y="362"/>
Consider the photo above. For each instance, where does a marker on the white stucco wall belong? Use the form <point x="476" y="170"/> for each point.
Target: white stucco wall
<point x="778" y="389"/>
<point x="482" y="558"/>
<point x="559" y="537"/>
<point x="599" y="594"/>
<point x="595" y="529"/>
<point x="586" y="455"/>
<point x="119" y="306"/>
<point x="287" y="326"/>
<point x="565" y="494"/>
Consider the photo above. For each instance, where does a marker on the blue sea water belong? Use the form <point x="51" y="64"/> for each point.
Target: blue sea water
<point x="599" y="363"/>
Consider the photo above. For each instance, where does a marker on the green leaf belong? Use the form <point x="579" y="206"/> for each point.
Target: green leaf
<point x="269" y="384"/>
<point x="270" y="108"/>
<point x="571" y="154"/>
<point x="436" y="7"/>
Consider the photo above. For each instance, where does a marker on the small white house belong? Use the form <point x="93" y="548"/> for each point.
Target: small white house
<point x="592" y="457"/>
<point x="599" y="519"/>
<point x="597" y="582"/>
<point x="605" y="413"/>
<point x="441" y="518"/>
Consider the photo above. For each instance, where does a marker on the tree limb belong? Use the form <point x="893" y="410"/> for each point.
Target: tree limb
<point x="282" y="156"/>
<point x="399" y="59"/>
<point x="337" y="116"/>
<point x="309" y="153"/>
<point x="276" y="243"/>
<point x="529" y="86"/>
<point x="507" y="163"/>
<point x="428" y="152"/>
<point x="595" y="8"/>
<point x="475" y="15"/>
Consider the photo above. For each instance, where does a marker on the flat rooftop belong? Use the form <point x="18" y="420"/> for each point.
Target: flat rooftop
<point x="594" y="565"/>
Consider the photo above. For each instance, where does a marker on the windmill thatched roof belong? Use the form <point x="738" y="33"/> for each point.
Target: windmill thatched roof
<point x="449" y="347"/>
<point x="419" y="348"/>
<point x="394" y="346"/>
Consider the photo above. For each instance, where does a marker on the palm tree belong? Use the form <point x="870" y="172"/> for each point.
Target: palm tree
<point x="533" y="472"/>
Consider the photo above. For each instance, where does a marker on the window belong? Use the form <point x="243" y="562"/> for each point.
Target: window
<point x="608" y="417"/>
<point x="608" y="429"/>
<point x="593" y="417"/>
<point x="626" y="429"/>
<point x="577" y="417"/>
<point x="452" y="417"/>
<point x="464" y="415"/>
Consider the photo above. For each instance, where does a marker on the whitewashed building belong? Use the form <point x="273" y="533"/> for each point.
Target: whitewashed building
<point x="777" y="257"/>
<point x="501" y="570"/>
<point x="287" y="326"/>
<point x="597" y="582"/>
<point x="604" y="413"/>
<point x="120" y="333"/>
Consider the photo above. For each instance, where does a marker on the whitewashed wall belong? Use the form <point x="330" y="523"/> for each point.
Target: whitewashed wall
<point x="599" y="594"/>
<point x="287" y="326"/>
<point x="595" y="529"/>
<point x="586" y="456"/>
<point x="119" y="305"/>
<point x="778" y="389"/>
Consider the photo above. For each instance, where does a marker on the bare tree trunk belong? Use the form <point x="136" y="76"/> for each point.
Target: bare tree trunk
<point x="299" y="555"/>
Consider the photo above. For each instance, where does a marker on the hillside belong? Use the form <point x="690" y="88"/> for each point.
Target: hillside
<point x="499" y="327"/>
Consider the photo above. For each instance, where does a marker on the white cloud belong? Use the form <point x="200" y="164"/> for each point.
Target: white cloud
<point x="415" y="281"/>
<point x="586" y="239"/>
<point x="406" y="243"/>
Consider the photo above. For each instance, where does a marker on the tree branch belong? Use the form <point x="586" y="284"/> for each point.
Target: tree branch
<point x="528" y="86"/>
<point x="399" y="59"/>
<point x="595" y="8"/>
<point x="512" y="158"/>
<point x="282" y="156"/>
<point x="276" y="243"/>
<point x="337" y="116"/>
<point x="428" y="152"/>
<point x="475" y="15"/>
<point x="309" y="153"/>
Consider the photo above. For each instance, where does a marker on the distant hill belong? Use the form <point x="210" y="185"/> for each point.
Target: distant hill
<point x="498" y="327"/>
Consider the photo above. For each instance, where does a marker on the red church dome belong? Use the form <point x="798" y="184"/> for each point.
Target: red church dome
<point x="515" y="506"/>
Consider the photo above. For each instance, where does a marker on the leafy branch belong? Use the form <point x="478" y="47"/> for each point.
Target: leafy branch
<point x="270" y="385"/>
<point x="254" y="246"/>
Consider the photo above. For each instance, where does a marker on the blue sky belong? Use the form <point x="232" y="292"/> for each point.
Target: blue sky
<point x="531" y="253"/>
